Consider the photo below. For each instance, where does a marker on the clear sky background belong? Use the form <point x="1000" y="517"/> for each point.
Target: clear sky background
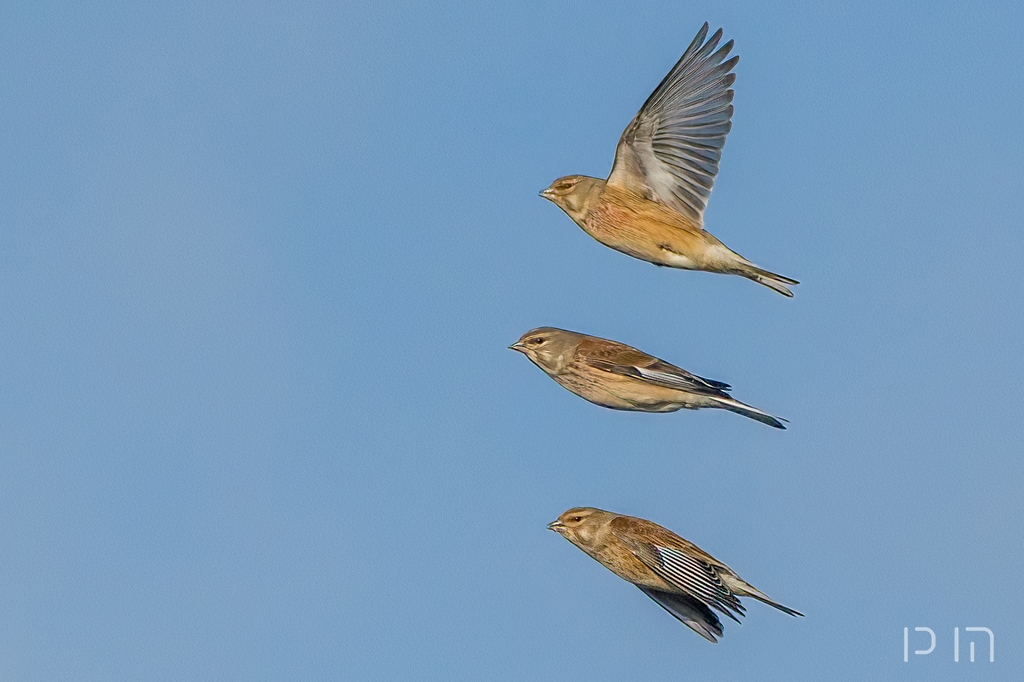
<point x="261" y="263"/>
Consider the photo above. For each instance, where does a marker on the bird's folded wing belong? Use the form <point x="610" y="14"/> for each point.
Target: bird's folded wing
<point x="688" y="574"/>
<point x="661" y="373"/>
<point x="667" y="374"/>
<point x="670" y="150"/>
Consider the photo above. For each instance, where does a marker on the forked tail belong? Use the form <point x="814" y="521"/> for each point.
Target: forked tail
<point x="736" y="406"/>
<point x="769" y="279"/>
<point x="751" y="591"/>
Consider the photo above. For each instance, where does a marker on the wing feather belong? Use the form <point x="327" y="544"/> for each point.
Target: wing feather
<point x="671" y="149"/>
<point x="688" y="572"/>
<point x="624" y="360"/>
<point x="695" y="614"/>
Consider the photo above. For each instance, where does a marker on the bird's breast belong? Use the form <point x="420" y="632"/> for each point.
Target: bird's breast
<point x="645" y="231"/>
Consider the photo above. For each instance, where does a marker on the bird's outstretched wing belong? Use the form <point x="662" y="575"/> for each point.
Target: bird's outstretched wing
<point x="670" y="150"/>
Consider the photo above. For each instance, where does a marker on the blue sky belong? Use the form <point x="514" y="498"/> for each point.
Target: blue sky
<point x="261" y="263"/>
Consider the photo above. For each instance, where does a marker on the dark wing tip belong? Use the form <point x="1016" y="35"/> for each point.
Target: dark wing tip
<point x="690" y="611"/>
<point x="698" y="39"/>
<point x="713" y="383"/>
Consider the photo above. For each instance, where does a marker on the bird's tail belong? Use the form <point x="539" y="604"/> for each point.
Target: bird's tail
<point x="749" y="590"/>
<point x="733" y="405"/>
<point x="769" y="279"/>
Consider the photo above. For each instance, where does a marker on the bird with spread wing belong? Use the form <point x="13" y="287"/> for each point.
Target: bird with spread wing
<point x="652" y="205"/>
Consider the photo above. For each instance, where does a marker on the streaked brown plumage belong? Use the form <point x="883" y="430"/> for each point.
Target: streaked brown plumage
<point x="682" y="578"/>
<point x="652" y="205"/>
<point x="612" y="374"/>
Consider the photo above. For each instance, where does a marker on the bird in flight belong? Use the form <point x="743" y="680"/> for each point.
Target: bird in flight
<point x="612" y="374"/>
<point x="682" y="578"/>
<point x="652" y="205"/>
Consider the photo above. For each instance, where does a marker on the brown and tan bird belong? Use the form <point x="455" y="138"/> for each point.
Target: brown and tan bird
<point x="685" y="580"/>
<point x="652" y="205"/>
<point x="612" y="374"/>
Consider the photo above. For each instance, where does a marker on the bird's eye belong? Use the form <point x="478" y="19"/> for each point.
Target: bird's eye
<point x="576" y="519"/>
<point x="536" y="340"/>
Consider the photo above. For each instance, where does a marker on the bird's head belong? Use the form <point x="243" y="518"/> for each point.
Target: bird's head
<point x="549" y="348"/>
<point x="580" y="525"/>
<point x="574" y="194"/>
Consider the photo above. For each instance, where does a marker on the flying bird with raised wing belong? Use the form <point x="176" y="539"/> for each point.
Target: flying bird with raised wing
<point x="652" y="205"/>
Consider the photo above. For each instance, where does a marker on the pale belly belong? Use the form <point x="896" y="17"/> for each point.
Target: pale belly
<point x="662" y="242"/>
<point x="625" y="394"/>
<point x="676" y="260"/>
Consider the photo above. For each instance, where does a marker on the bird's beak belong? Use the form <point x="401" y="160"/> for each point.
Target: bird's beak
<point x="547" y="194"/>
<point x="518" y="347"/>
<point x="556" y="526"/>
